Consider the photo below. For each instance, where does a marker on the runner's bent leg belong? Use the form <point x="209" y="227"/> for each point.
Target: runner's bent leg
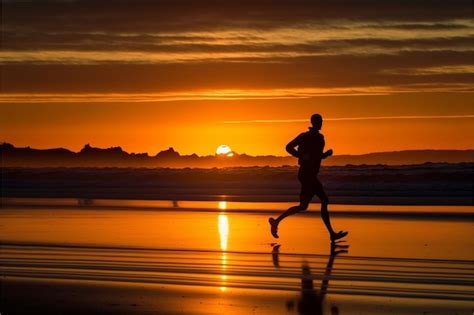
<point x="292" y="210"/>
<point x="306" y="195"/>
<point x="319" y="191"/>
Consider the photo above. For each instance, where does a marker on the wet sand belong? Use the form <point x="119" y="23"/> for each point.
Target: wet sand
<point x="189" y="261"/>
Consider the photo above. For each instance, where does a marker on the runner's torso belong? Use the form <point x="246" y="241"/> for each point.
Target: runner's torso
<point x="310" y="149"/>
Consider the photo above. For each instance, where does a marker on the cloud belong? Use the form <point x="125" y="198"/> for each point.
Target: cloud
<point x="312" y="38"/>
<point x="182" y="48"/>
<point x="224" y="94"/>
<point x="279" y="121"/>
<point x="315" y="72"/>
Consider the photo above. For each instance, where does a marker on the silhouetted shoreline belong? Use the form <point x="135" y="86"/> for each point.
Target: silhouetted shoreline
<point x="89" y="156"/>
<point x="430" y="184"/>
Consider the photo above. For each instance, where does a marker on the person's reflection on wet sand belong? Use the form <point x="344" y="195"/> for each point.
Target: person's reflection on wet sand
<point x="276" y="256"/>
<point x="311" y="301"/>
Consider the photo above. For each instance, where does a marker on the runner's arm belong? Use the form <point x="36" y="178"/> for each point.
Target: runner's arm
<point x="290" y="147"/>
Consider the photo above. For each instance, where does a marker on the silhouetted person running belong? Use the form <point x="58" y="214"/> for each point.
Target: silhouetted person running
<point x="310" y="153"/>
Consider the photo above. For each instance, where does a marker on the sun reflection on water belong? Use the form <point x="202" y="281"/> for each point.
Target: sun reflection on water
<point x="222" y="205"/>
<point x="223" y="226"/>
<point x="223" y="230"/>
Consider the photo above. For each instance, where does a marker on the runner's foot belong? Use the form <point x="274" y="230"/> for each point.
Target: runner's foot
<point x="274" y="227"/>
<point x="338" y="235"/>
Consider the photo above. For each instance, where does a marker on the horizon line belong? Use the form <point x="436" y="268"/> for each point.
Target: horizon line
<point x="239" y="154"/>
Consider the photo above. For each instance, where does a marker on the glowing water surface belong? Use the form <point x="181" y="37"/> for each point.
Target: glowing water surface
<point x="181" y="259"/>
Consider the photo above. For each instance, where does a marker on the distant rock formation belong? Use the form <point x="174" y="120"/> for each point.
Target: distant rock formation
<point x="168" y="154"/>
<point x="89" y="156"/>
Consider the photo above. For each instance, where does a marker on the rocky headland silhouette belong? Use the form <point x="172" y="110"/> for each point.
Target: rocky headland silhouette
<point x="90" y="156"/>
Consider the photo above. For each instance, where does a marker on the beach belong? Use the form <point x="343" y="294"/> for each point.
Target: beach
<point x="198" y="157"/>
<point x="163" y="257"/>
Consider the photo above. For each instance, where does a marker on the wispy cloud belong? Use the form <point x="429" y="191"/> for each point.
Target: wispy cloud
<point x="81" y="46"/>
<point x="306" y="120"/>
<point x="310" y="39"/>
<point x="225" y="94"/>
<point x="185" y="95"/>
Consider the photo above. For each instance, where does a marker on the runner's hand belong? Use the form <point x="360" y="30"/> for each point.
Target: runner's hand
<point x="328" y="153"/>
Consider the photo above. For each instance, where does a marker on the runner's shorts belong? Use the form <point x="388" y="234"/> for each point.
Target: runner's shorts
<point x="310" y="186"/>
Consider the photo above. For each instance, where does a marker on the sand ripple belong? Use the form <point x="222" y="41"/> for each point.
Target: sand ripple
<point x="351" y="275"/>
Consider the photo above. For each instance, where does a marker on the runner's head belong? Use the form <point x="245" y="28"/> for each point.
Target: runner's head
<point x="317" y="121"/>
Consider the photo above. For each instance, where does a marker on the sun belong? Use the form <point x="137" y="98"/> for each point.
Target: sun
<point x="224" y="150"/>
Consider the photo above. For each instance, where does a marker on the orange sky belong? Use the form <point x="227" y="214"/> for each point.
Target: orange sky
<point x="200" y="126"/>
<point x="149" y="75"/>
